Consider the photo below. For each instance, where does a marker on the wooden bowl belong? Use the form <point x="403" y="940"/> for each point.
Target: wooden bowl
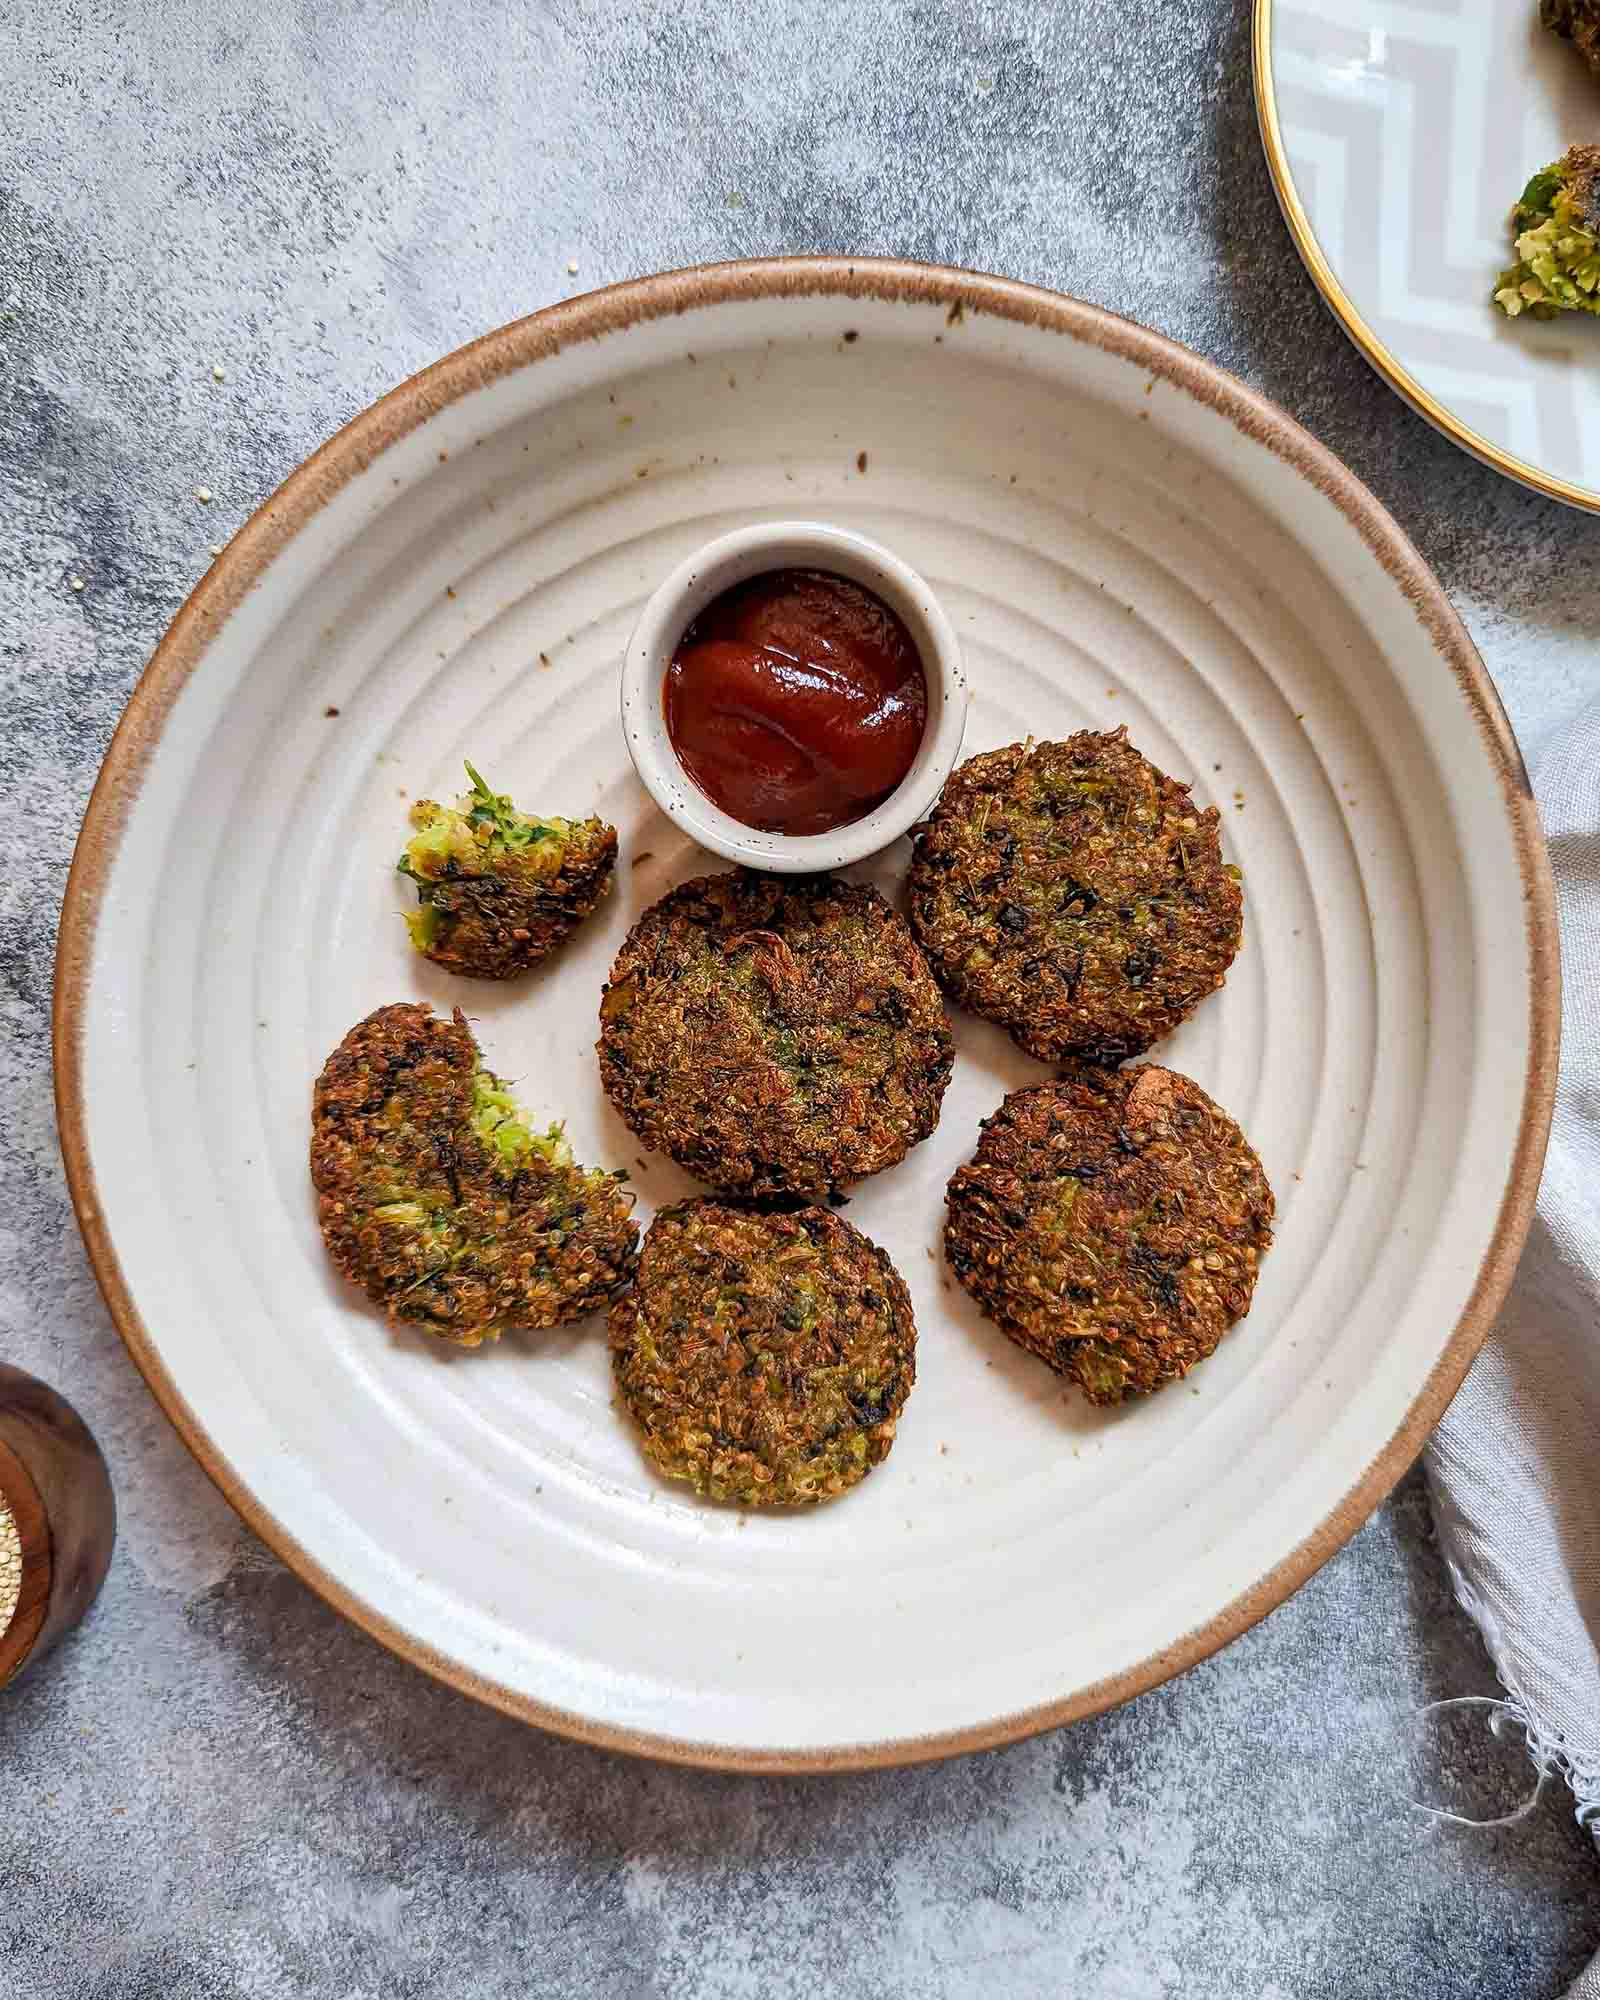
<point x="55" y="1484"/>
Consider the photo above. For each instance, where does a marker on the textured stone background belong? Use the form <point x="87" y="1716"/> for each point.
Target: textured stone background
<point x="218" y="1789"/>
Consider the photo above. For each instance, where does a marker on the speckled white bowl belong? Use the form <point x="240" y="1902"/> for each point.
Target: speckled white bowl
<point x="703" y="577"/>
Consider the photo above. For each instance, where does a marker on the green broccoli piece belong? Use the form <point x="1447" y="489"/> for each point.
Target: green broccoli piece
<point x="1556" y="223"/>
<point x="502" y="1125"/>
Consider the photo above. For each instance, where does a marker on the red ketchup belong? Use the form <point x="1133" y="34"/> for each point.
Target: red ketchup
<point x="796" y="701"/>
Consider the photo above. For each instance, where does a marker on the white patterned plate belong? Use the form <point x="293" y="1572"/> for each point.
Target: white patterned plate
<point x="1399" y="133"/>
<point x="1121" y="534"/>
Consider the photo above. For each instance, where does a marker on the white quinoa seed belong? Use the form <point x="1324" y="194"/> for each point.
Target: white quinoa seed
<point x="10" y="1568"/>
<point x="77" y="582"/>
<point x="219" y="374"/>
<point x="203" y="495"/>
<point x="572" y="267"/>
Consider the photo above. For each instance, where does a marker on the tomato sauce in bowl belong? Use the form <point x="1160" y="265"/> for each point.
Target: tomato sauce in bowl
<point x="797" y="701"/>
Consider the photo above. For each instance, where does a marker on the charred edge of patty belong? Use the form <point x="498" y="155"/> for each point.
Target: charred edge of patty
<point x="438" y="1198"/>
<point x="775" y="1036"/>
<point x="765" y="1356"/>
<point x="1037" y="1229"/>
<point x="1074" y="894"/>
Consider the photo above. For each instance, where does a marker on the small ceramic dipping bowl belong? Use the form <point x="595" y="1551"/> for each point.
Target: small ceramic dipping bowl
<point x="682" y="596"/>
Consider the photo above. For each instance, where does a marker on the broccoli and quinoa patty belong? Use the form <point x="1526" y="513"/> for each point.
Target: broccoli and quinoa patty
<point x="496" y="889"/>
<point x="1556" y="227"/>
<point x="437" y="1197"/>
<point x="775" y="1035"/>
<point x="1076" y="895"/>
<point x="1112" y="1224"/>
<point x="1578" y="22"/>
<point x="764" y="1355"/>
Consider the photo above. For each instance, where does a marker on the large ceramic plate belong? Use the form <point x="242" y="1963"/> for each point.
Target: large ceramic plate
<point x="1121" y="534"/>
<point x="1399" y="132"/>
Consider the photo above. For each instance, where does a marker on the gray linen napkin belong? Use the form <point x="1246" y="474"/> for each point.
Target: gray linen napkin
<point x="1515" y="1464"/>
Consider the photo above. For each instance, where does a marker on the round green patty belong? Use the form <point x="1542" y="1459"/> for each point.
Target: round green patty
<point x="436" y="1196"/>
<point x="775" y="1035"/>
<point x="1076" y="895"/>
<point x="1112" y="1224"/>
<point x="765" y="1356"/>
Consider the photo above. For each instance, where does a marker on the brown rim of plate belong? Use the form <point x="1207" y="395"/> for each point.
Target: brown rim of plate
<point x="613" y="310"/>
<point x="1343" y="307"/>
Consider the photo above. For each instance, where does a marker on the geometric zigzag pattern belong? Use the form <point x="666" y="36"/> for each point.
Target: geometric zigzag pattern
<point x="1409" y="130"/>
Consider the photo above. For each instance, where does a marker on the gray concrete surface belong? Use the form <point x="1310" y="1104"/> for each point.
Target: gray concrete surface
<point x="218" y="1789"/>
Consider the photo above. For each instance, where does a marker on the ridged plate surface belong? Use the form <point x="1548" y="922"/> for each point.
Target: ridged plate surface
<point x="1120" y="536"/>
